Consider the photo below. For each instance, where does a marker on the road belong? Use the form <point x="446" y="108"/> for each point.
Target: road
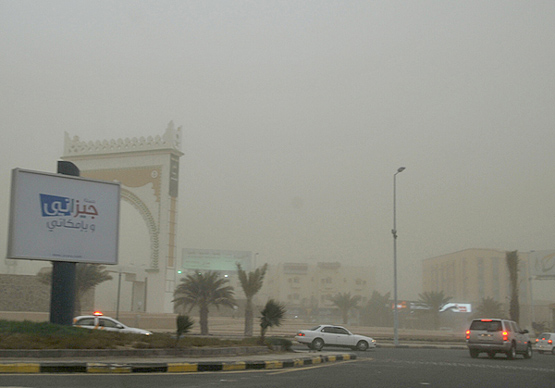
<point x="383" y="368"/>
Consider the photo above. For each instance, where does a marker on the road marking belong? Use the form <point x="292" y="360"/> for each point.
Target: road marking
<point x="289" y="370"/>
<point x="469" y="365"/>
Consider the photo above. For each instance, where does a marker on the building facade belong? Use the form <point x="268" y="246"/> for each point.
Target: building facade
<point x="148" y="170"/>
<point x="471" y="275"/>
<point x="306" y="288"/>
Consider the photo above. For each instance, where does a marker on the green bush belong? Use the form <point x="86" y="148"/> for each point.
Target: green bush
<point x="274" y="342"/>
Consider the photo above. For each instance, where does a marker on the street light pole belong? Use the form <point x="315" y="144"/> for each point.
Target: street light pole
<point x="119" y="293"/>
<point x="394" y="232"/>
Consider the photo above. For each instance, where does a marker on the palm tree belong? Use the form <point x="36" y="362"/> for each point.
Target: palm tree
<point x="202" y="291"/>
<point x="271" y="316"/>
<point x="434" y="300"/>
<point x="345" y="302"/>
<point x="251" y="283"/>
<point x="512" y="266"/>
<point x="184" y="325"/>
<point x="87" y="277"/>
<point x="379" y="309"/>
<point x="489" y="307"/>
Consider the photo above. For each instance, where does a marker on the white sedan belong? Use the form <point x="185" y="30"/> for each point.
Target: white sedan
<point x="331" y="335"/>
<point x="544" y="343"/>
<point x="100" y="322"/>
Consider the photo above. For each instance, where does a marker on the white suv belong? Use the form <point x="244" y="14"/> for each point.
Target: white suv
<point x="492" y="336"/>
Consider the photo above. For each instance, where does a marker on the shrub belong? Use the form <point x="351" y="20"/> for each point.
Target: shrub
<point x="44" y="335"/>
<point x="278" y="343"/>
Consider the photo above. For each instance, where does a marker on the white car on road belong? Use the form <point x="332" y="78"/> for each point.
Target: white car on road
<point x="100" y="322"/>
<point x="544" y="343"/>
<point x="332" y="335"/>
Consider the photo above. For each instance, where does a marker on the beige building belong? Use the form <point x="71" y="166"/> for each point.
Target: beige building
<point x="472" y="274"/>
<point x="306" y="288"/>
<point x="148" y="169"/>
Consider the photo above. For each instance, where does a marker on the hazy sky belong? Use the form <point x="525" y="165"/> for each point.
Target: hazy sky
<point x="296" y="115"/>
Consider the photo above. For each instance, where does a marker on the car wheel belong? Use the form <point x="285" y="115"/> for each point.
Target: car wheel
<point x="362" y="345"/>
<point x="528" y="353"/>
<point x="317" y="344"/>
<point x="553" y="350"/>
<point x="474" y="353"/>
<point x="511" y="354"/>
<point x="491" y="354"/>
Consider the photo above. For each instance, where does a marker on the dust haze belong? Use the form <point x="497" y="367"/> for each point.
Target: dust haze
<point x="295" y="116"/>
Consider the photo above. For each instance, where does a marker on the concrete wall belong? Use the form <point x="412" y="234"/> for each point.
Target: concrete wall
<point x="24" y="293"/>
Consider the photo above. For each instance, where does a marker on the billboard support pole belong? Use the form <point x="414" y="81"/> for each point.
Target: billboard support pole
<point x="62" y="297"/>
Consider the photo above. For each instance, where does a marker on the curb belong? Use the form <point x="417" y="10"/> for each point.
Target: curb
<point x="205" y="366"/>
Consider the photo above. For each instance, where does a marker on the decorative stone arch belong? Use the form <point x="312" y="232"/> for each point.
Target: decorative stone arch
<point x="148" y="170"/>
<point x="150" y="222"/>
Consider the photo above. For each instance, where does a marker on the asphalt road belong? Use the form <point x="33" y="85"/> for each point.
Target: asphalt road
<point x="383" y="368"/>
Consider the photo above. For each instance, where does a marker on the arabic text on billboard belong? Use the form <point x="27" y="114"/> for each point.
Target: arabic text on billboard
<point x="63" y="218"/>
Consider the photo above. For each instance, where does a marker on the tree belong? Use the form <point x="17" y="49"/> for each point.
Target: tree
<point x="87" y="277"/>
<point x="251" y="283"/>
<point x="378" y="310"/>
<point x="345" y="302"/>
<point x="202" y="291"/>
<point x="271" y="316"/>
<point x="489" y="307"/>
<point x="434" y="300"/>
<point x="512" y="266"/>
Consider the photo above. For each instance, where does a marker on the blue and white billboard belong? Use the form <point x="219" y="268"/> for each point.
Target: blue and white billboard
<point x="63" y="218"/>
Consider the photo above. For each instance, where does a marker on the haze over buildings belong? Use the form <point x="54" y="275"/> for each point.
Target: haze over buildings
<point x="296" y="115"/>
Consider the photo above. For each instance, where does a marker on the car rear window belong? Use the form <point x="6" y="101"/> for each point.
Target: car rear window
<point x="545" y="336"/>
<point x="85" y="322"/>
<point x="486" y="325"/>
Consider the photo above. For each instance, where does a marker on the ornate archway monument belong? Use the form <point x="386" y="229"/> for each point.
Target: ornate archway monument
<point x="148" y="171"/>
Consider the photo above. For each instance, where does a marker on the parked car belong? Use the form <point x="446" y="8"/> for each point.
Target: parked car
<point x="544" y="343"/>
<point x="100" y="322"/>
<point x="332" y="335"/>
<point x="492" y="336"/>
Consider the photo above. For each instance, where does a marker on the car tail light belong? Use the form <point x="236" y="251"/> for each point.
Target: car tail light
<point x="505" y="336"/>
<point x="300" y="334"/>
<point x="537" y="340"/>
<point x="468" y="334"/>
<point x="549" y="342"/>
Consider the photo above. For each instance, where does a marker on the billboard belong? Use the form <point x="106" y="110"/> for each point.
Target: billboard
<point x="457" y="307"/>
<point x="63" y="218"/>
<point x="542" y="264"/>
<point x="215" y="260"/>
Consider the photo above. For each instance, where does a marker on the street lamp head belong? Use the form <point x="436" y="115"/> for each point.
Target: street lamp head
<point x="400" y="169"/>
